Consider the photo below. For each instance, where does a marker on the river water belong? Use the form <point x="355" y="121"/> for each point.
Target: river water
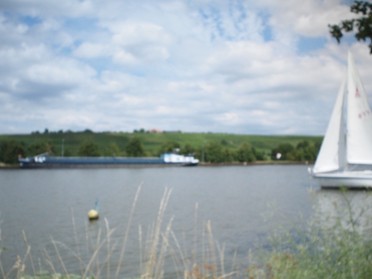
<point x="211" y="211"/>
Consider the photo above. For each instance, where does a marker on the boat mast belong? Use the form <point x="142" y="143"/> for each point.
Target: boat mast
<point x="63" y="148"/>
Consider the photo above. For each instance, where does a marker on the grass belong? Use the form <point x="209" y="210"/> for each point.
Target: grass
<point x="159" y="251"/>
<point x="338" y="245"/>
<point x="323" y="255"/>
<point x="333" y="249"/>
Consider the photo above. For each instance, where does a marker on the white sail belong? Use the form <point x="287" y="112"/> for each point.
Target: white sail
<point x="330" y="156"/>
<point x="359" y="120"/>
<point x="345" y="157"/>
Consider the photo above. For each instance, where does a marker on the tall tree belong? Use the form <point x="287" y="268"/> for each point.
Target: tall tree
<point x="245" y="153"/>
<point x="89" y="148"/>
<point x="214" y="153"/>
<point x="113" y="149"/>
<point x="134" y="147"/>
<point x="360" y="25"/>
<point x="10" y="150"/>
<point x="284" y="149"/>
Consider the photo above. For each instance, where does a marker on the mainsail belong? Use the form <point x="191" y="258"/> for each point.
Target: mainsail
<point x="359" y="120"/>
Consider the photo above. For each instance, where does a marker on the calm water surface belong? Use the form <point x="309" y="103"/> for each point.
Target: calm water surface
<point x="244" y="205"/>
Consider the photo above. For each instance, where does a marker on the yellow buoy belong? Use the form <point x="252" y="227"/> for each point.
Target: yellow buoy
<point x="93" y="214"/>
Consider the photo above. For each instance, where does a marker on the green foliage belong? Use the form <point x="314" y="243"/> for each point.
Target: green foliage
<point x="89" y="149"/>
<point x="214" y="153"/>
<point x="304" y="151"/>
<point x="330" y="256"/>
<point x="10" y="150"/>
<point x="228" y="147"/>
<point x="169" y="146"/>
<point x="285" y="149"/>
<point x="113" y="150"/>
<point x="340" y="247"/>
<point x="40" y="148"/>
<point x="134" y="147"/>
<point x="188" y="149"/>
<point x="228" y="155"/>
<point x="361" y="25"/>
<point x="246" y="154"/>
<point x="260" y="156"/>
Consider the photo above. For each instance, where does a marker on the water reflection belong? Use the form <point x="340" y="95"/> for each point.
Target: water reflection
<point x="348" y="209"/>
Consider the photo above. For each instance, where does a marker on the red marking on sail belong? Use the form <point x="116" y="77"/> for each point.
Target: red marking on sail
<point x="357" y="94"/>
<point x="364" y="114"/>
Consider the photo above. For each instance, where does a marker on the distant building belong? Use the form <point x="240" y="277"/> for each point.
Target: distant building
<point x="155" y="131"/>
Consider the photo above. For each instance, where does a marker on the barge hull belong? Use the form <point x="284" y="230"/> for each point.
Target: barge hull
<point x="45" y="161"/>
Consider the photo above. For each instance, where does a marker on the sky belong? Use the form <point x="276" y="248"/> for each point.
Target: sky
<point x="225" y="66"/>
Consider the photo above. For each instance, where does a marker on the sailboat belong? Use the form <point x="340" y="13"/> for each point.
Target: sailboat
<point x="345" y="157"/>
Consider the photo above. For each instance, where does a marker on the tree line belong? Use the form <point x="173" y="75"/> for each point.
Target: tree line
<point x="211" y="152"/>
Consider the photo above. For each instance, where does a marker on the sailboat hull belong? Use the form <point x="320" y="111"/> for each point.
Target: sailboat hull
<point x="351" y="180"/>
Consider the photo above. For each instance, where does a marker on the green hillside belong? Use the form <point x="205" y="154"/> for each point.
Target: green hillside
<point x="202" y="145"/>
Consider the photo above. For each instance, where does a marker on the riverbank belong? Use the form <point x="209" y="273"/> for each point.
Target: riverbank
<point x="9" y="166"/>
<point x="256" y="163"/>
<point x="201" y="164"/>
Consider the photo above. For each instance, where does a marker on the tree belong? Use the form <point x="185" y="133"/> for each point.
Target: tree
<point x="134" y="147"/>
<point x="214" y="153"/>
<point x="113" y="149"/>
<point x="39" y="148"/>
<point x="10" y="150"/>
<point x="304" y="151"/>
<point x="284" y="149"/>
<point x="245" y="154"/>
<point x="228" y="156"/>
<point x="259" y="155"/>
<point x="89" y="148"/>
<point x="188" y="149"/>
<point x="169" y="146"/>
<point x="362" y="23"/>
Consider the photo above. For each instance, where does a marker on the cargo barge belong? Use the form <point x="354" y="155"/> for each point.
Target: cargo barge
<point x="46" y="161"/>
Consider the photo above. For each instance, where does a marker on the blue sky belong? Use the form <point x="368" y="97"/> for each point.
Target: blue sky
<point x="197" y="66"/>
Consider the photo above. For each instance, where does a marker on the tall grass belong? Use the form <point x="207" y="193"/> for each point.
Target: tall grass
<point x="341" y="254"/>
<point x="339" y="250"/>
<point x="159" y="252"/>
<point x="338" y="245"/>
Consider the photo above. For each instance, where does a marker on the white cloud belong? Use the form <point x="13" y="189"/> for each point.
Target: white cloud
<point x="223" y="66"/>
<point x="90" y="50"/>
<point x="58" y="72"/>
<point x="138" y="33"/>
<point x="139" y="42"/>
